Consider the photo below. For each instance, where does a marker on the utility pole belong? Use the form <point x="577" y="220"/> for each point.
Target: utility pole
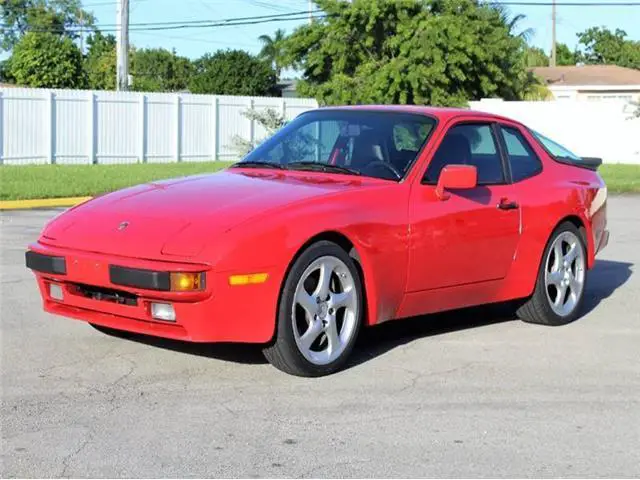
<point x="310" y="9"/>
<point x="553" y="34"/>
<point x="122" y="45"/>
<point x="81" y="31"/>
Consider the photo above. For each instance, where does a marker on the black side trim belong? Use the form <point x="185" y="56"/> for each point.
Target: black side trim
<point x="134" y="277"/>
<point x="45" y="263"/>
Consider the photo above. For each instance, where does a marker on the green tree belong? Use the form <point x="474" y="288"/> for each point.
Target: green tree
<point x="534" y="88"/>
<point x="535" y="57"/>
<point x="46" y="60"/>
<point x="233" y="72"/>
<point x="100" y="62"/>
<point x="5" y="73"/>
<point x="602" y="46"/>
<point x="442" y="52"/>
<point x="60" y="17"/>
<point x="272" y="50"/>
<point x="159" y="70"/>
<point x="564" y="56"/>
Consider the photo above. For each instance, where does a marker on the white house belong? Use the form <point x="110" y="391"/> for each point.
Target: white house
<point x="591" y="82"/>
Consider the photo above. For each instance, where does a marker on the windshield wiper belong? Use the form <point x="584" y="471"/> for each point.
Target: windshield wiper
<point x="257" y="164"/>
<point x="323" y="167"/>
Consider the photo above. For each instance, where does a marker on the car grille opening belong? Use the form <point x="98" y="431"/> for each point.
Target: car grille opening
<point x="106" y="294"/>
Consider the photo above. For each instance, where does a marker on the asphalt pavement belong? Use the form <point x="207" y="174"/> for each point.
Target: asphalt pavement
<point x="467" y="394"/>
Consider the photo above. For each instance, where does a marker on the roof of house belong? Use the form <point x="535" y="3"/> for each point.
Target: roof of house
<point x="588" y="75"/>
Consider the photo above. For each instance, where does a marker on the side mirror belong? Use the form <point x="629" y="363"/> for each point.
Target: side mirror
<point x="454" y="177"/>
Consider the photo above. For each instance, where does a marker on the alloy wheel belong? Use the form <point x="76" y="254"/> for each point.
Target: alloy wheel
<point x="565" y="273"/>
<point x="325" y="310"/>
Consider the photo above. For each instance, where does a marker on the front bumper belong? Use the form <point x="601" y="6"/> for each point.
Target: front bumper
<point x="90" y="294"/>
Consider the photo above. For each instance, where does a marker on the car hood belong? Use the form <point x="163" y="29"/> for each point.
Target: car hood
<point x="178" y="217"/>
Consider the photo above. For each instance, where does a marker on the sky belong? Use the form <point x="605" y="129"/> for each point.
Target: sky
<point x="196" y="42"/>
<point x="193" y="43"/>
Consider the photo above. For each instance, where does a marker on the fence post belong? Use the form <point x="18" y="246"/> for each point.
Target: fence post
<point x="142" y="128"/>
<point x="91" y="113"/>
<point x="178" y="129"/>
<point x="284" y="109"/>
<point x="50" y="126"/>
<point x="214" y="127"/>
<point x="252" y="127"/>
<point x="1" y="130"/>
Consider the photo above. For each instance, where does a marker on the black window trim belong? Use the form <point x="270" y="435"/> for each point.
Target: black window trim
<point x="499" y="126"/>
<point x="504" y="156"/>
<point x="506" y="172"/>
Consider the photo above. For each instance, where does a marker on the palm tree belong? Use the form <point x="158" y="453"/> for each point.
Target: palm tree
<point x="512" y="22"/>
<point x="534" y="88"/>
<point x="272" y="49"/>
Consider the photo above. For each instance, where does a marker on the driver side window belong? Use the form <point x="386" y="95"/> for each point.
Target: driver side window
<point x="468" y="144"/>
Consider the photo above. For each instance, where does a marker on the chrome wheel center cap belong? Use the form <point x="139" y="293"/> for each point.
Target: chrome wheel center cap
<point x="323" y="309"/>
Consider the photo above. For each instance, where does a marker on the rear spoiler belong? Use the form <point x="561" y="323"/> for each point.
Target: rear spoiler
<point x="591" y="163"/>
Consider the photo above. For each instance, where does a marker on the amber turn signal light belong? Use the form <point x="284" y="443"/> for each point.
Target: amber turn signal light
<point x="186" y="281"/>
<point x="249" y="279"/>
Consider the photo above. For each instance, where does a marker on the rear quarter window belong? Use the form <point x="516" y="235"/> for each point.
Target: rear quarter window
<point x="523" y="160"/>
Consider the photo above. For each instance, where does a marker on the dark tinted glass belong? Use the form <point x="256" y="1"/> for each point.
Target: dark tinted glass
<point x="382" y="144"/>
<point x="468" y="144"/>
<point x="523" y="160"/>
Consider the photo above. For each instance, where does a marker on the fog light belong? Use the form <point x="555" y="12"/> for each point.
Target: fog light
<point x="55" y="292"/>
<point x="163" y="311"/>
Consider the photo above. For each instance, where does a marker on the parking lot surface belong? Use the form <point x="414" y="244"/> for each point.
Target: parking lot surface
<point x="466" y="394"/>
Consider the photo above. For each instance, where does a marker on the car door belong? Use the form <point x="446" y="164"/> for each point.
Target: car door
<point x="472" y="236"/>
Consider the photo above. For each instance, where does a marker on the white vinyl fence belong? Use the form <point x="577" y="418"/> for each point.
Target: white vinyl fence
<point x="84" y="127"/>
<point x="604" y="129"/>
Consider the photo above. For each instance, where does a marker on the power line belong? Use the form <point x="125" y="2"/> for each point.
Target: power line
<point x="183" y="25"/>
<point x="570" y="4"/>
<point x="291" y="16"/>
<point x="224" y="20"/>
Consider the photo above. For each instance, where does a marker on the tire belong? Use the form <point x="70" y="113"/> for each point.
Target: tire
<point x="112" y="332"/>
<point x="315" y="336"/>
<point x="547" y="305"/>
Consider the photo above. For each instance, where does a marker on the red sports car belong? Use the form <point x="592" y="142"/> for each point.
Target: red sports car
<point x="345" y="218"/>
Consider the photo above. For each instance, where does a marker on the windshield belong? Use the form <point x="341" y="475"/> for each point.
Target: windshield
<point x="555" y="149"/>
<point x="379" y="144"/>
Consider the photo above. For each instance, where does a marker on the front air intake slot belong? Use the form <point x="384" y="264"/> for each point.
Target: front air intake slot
<point x="106" y="294"/>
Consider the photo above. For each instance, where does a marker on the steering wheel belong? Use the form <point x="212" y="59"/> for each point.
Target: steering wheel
<point x="388" y="166"/>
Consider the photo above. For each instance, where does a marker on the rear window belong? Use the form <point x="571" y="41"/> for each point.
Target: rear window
<point x="554" y="148"/>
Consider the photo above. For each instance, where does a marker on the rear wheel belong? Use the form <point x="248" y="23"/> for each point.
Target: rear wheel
<point x="561" y="282"/>
<point x="320" y="313"/>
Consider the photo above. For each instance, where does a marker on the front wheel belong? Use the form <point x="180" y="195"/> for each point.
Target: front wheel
<point x="561" y="280"/>
<point x="319" y="314"/>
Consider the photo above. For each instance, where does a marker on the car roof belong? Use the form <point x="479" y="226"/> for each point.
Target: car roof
<point x="442" y="113"/>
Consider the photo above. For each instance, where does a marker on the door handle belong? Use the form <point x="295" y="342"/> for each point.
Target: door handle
<point x="506" y="204"/>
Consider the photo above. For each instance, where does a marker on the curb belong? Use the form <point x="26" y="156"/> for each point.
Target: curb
<point x="41" y="203"/>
